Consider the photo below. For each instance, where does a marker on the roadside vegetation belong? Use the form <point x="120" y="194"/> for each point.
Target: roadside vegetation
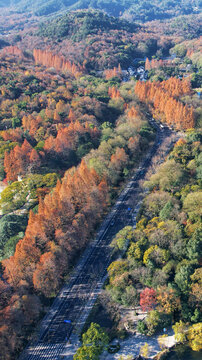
<point x="160" y="271"/>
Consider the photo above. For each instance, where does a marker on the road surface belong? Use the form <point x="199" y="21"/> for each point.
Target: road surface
<point x="75" y="300"/>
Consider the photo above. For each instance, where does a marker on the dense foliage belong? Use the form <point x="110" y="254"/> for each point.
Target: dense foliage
<point x="94" y="341"/>
<point x="50" y="123"/>
<point x="163" y="254"/>
<point x="164" y="97"/>
<point x="136" y="10"/>
<point x="101" y="41"/>
<point x="78" y="25"/>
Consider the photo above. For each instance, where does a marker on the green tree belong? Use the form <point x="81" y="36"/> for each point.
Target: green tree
<point x="10" y="226"/>
<point x="129" y="297"/>
<point x="194" y="245"/>
<point x="152" y="321"/>
<point x="192" y="205"/>
<point x="166" y="212"/>
<point x="94" y="340"/>
<point x="182" y="277"/>
<point x="156" y="201"/>
<point x="13" y="196"/>
<point x="123" y="238"/>
<point x="169" y="176"/>
<point x="142" y="327"/>
<point x="95" y="335"/>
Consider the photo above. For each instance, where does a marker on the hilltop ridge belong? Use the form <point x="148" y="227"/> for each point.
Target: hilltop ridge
<point x="132" y="10"/>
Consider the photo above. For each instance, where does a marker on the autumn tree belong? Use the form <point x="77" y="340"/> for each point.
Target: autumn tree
<point x="165" y="98"/>
<point x="147" y="299"/>
<point x="195" y="337"/>
<point x="168" y="300"/>
<point x="62" y="216"/>
<point x="180" y="330"/>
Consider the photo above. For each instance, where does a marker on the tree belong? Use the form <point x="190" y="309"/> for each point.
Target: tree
<point x="87" y="352"/>
<point x="194" y="245"/>
<point x="147" y="299"/>
<point x="123" y="238"/>
<point x="182" y="276"/>
<point x="168" y="299"/>
<point x="142" y="327"/>
<point x="94" y="340"/>
<point x="169" y="176"/>
<point x="180" y="330"/>
<point x="155" y="256"/>
<point x="47" y="58"/>
<point x="135" y="252"/>
<point x="192" y="204"/>
<point x="46" y="276"/>
<point x="147" y="64"/>
<point x="95" y="335"/>
<point x="156" y="201"/>
<point x="144" y="350"/>
<point x="11" y="225"/>
<point x="152" y="320"/>
<point x="129" y="297"/>
<point x="163" y="97"/>
<point x="195" y="337"/>
<point x="196" y="287"/>
<point x="166" y="212"/>
<point x="117" y="268"/>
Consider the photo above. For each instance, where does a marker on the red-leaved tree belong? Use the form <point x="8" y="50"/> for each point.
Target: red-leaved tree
<point x="148" y="299"/>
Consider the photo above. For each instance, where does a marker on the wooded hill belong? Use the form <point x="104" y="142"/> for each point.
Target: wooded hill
<point x="134" y="10"/>
<point x="78" y="25"/>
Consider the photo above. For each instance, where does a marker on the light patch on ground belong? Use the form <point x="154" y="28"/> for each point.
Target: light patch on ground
<point x="132" y="345"/>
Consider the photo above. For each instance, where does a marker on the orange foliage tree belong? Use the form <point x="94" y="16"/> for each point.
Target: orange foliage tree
<point x="115" y="72"/>
<point x="18" y="161"/>
<point x="62" y="226"/>
<point x="114" y="93"/>
<point x="164" y="96"/>
<point x="47" y="58"/>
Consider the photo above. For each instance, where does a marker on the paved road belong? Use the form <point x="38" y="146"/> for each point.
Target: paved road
<point x="91" y="271"/>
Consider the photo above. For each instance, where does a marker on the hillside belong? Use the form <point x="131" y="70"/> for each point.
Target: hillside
<point x="78" y="25"/>
<point x="133" y="10"/>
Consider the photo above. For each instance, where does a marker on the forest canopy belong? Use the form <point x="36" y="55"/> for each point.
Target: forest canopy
<point x="80" y="24"/>
<point x="134" y="10"/>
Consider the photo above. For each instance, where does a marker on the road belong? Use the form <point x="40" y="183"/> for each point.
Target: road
<point x="89" y="276"/>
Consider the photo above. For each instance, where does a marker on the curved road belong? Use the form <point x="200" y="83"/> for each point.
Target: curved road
<point x="75" y="300"/>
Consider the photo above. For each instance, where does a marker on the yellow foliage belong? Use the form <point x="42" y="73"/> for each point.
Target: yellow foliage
<point x="162" y="254"/>
<point x="161" y="225"/>
<point x="134" y="252"/>
<point x="195" y="337"/>
<point x="180" y="330"/>
<point x="144" y="350"/>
